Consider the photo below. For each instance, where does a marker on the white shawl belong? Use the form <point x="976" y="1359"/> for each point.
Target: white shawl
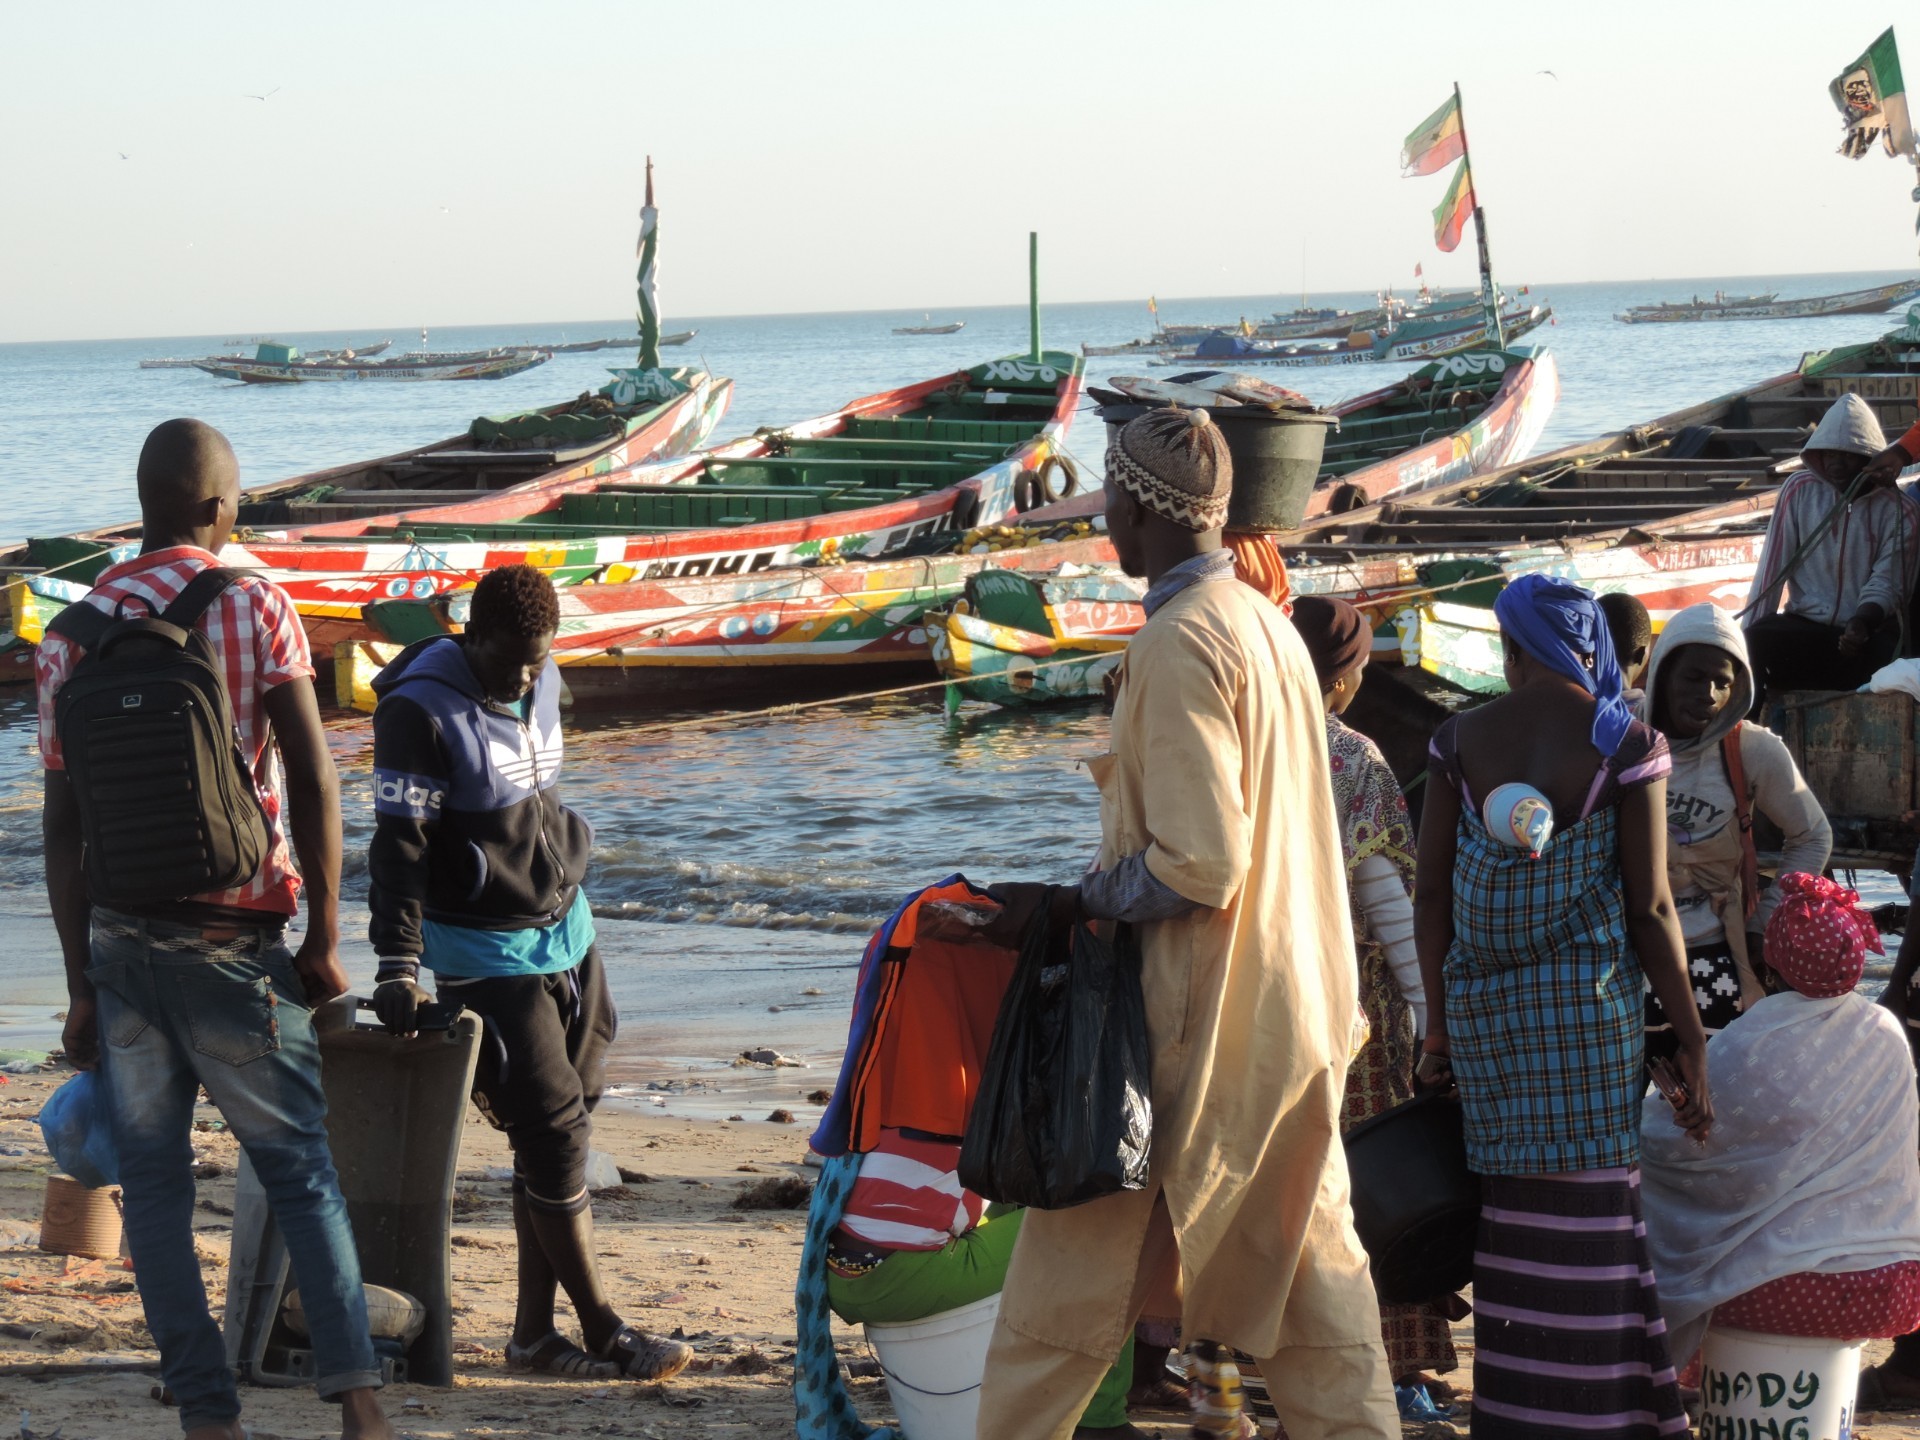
<point x="1813" y="1163"/>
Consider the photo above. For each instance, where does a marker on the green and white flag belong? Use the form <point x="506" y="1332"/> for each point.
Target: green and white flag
<point x="647" y="251"/>
<point x="1872" y="99"/>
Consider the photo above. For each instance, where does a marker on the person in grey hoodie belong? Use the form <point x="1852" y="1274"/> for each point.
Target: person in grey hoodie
<point x="1725" y="769"/>
<point x="1841" y="554"/>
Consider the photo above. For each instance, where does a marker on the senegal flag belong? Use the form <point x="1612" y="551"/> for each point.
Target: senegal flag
<point x="1872" y="100"/>
<point x="1438" y="142"/>
<point x="1450" y="216"/>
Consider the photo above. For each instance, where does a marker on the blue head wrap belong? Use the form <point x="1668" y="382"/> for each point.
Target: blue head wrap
<point x="1560" y="625"/>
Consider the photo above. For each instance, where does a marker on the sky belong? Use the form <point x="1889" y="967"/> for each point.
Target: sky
<point x="425" y="162"/>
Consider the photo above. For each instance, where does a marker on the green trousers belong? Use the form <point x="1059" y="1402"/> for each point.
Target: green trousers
<point x="910" y="1285"/>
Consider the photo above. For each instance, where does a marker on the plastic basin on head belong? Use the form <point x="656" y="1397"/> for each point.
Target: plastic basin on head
<point x="1276" y="463"/>
<point x="1416" y="1206"/>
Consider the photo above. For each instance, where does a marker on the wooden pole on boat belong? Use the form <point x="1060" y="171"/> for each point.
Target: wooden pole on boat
<point x="1489" y="296"/>
<point x="1033" y="295"/>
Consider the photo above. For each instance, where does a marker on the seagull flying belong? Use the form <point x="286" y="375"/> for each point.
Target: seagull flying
<point x="125" y="156"/>
<point x="274" y="91"/>
<point x="1546" y="72"/>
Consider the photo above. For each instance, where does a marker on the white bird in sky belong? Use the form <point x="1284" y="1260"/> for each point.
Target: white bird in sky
<point x="1546" y="72"/>
<point x="274" y="91"/>
<point x="125" y="156"/>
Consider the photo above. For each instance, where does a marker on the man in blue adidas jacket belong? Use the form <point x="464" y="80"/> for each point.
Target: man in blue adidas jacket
<point x="475" y="870"/>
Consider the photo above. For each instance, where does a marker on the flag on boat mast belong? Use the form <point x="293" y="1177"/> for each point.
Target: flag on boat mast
<point x="1442" y="137"/>
<point x="1872" y="100"/>
<point x="647" y="252"/>
<point x="1450" y="216"/>
<point x="1440" y="140"/>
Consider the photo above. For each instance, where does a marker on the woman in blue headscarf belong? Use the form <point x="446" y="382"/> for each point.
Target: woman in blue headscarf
<point x="1532" y="940"/>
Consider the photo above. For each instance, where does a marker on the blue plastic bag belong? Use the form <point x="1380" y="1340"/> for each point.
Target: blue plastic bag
<point x="78" y="1133"/>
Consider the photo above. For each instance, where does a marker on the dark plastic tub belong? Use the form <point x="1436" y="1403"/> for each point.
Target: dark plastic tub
<point x="1276" y="458"/>
<point x="1416" y="1205"/>
<point x="1276" y="461"/>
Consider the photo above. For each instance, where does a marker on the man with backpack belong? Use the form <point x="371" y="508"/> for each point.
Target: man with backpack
<point x="171" y="882"/>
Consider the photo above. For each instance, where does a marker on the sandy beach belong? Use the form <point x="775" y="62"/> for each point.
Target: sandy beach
<point x="75" y="1356"/>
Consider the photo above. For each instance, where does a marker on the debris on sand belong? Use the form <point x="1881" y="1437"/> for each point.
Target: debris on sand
<point x="780" y="1117"/>
<point x="771" y="1058"/>
<point x="820" y="1097"/>
<point x="778" y="1192"/>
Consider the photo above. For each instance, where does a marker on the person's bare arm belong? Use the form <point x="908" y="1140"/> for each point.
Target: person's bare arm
<point x="313" y="825"/>
<point x="1654" y="928"/>
<point x="67" y="896"/>
<point x="1433" y="918"/>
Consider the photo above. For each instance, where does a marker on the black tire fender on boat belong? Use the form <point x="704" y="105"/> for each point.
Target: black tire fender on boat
<point x="966" y="508"/>
<point x="1026" y="491"/>
<point x="1060" y="461"/>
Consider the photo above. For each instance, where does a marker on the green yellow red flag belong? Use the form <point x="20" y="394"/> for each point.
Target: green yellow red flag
<point x="1450" y="216"/>
<point x="1437" y="143"/>
<point x="1872" y="99"/>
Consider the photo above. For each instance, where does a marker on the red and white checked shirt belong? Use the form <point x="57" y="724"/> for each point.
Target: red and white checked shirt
<point x="257" y="632"/>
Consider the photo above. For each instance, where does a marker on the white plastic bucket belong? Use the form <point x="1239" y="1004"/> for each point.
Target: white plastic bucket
<point x="934" y="1368"/>
<point x="1781" y="1386"/>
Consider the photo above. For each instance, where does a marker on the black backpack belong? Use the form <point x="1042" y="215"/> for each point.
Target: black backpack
<point x="167" y="802"/>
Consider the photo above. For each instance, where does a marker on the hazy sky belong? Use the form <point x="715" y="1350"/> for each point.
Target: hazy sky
<point x="446" y="163"/>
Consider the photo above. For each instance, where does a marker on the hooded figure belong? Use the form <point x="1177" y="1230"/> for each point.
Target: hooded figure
<point x="1699" y="689"/>
<point x="1843" y="558"/>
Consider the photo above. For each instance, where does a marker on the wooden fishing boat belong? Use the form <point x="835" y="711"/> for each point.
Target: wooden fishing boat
<point x="1875" y="300"/>
<point x="582" y="347"/>
<point x="1022" y="640"/>
<point x="1414" y="340"/>
<point x="952" y="328"/>
<point x="275" y="364"/>
<point x="719" y="639"/>
<point x="880" y="473"/>
<point x="1674" y="511"/>
<point x="360" y="352"/>
<point x="598" y="433"/>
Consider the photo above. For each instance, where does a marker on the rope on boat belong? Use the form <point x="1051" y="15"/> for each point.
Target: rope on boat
<point x="707" y="721"/>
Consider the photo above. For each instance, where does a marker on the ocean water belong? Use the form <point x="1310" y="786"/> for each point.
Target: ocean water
<point x="811" y="824"/>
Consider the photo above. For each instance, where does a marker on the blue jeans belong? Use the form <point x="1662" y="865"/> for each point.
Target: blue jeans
<point x="178" y="1011"/>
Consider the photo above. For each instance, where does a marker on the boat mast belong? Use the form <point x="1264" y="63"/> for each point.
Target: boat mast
<point x="647" y="253"/>
<point x="1033" y="295"/>
<point x="1489" y="297"/>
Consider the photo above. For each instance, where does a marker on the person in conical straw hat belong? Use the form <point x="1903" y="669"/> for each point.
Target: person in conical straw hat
<point x="1841" y="552"/>
<point x="1219" y="843"/>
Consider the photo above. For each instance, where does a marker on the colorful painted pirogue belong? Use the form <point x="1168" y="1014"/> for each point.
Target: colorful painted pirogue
<point x="1485" y="409"/>
<point x="880" y="473"/>
<point x="277" y="364"/>
<point x="717" y="639"/>
<point x="1674" y="511"/>
<point x="1875" y="301"/>
<point x="621" y="425"/>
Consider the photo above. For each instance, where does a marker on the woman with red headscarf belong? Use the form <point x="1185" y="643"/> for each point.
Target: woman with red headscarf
<point x="1800" y="1214"/>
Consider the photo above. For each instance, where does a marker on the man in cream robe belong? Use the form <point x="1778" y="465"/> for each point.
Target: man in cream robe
<point x="1219" y="841"/>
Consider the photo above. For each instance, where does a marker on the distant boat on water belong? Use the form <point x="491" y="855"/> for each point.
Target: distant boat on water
<point x="358" y="352"/>
<point x="1721" y="306"/>
<point x="581" y="347"/>
<point x="930" y="328"/>
<point x="276" y="364"/>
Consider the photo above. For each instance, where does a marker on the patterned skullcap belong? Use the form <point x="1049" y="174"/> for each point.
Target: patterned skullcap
<point x="1817" y="940"/>
<point x="1175" y="462"/>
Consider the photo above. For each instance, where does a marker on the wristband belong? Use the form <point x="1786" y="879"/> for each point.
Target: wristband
<point x="397" y="967"/>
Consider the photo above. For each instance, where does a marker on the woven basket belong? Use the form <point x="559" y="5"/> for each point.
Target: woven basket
<point x="75" y="1220"/>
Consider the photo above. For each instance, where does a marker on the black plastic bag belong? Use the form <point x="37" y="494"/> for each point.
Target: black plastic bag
<point x="1065" y="1113"/>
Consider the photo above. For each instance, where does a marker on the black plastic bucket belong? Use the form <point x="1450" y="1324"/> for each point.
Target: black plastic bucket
<point x="1276" y="462"/>
<point x="1416" y="1206"/>
<point x="1276" y="458"/>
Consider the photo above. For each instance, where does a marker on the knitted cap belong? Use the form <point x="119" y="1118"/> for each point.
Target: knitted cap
<point x="1175" y="462"/>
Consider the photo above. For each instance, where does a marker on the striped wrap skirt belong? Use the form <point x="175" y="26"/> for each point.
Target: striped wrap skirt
<point x="1568" y="1339"/>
